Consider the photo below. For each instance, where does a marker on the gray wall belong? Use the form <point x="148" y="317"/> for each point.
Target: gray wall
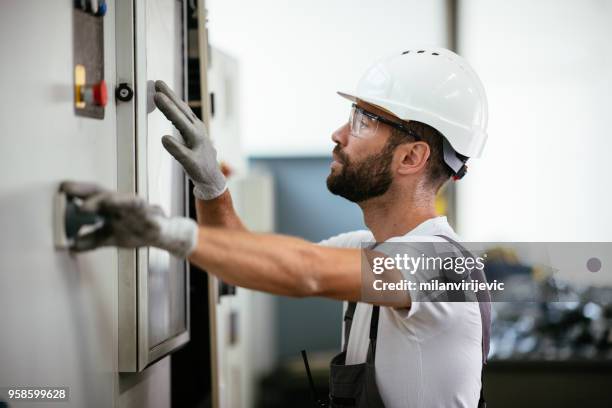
<point x="305" y="208"/>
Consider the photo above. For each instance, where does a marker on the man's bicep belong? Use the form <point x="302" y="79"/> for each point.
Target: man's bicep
<point x="382" y="283"/>
<point x="346" y="274"/>
<point x="337" y="272"/>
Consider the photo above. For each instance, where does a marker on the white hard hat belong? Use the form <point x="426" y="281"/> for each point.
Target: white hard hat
<point x="434" y="86"/>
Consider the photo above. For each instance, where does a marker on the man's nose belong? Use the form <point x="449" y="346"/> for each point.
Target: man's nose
<point x="340" y="136"/>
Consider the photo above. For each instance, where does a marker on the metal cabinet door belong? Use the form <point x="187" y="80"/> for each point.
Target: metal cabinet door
<point x="56" y="308"/>
<point x="153" y="285"/>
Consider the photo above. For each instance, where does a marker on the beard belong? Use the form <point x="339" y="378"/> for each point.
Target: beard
<point x="359" y="181"/>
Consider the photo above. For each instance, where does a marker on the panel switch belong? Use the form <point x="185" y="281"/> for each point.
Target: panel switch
<point x="100" y="93"/>
<point x="96" y="94"/>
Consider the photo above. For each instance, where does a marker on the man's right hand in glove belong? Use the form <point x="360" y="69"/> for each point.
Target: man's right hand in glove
<point x="195" y="152"/>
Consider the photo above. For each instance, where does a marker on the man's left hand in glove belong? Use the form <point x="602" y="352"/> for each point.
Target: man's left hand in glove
<point x="131" y="222"/>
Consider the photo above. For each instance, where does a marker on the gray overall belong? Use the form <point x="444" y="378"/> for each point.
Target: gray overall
<point x="354" y="385"/>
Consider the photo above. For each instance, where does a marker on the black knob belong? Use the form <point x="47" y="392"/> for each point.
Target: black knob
<point x="123" y="92"/>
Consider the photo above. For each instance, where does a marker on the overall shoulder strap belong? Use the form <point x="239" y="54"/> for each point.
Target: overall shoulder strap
<point x="483" y="297"/>
<point x="348" y="321"/>
<point x="374" y="328"/>
<point x="484" y="303"/>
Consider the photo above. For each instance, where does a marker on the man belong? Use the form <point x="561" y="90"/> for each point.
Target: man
<point x="417" y="117"/>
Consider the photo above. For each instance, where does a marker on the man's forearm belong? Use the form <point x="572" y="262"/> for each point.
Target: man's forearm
<point x="218" y="212"/>
<point x="289" y="266"/>
<point x="278" y="264"/>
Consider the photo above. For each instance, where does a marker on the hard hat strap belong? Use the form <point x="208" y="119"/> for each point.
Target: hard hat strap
<point x="454" y="160"/>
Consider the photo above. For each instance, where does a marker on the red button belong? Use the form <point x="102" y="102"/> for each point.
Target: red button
<point x="100" y="93"/>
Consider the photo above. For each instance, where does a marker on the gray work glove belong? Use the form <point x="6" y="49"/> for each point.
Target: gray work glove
<point x="195" y="152"/>
<point x="130" y="222"/>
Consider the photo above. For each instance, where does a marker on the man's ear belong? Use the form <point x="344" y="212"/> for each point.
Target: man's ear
<point x="412" y="157"/>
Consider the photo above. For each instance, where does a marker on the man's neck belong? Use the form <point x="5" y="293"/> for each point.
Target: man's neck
<point x="395" y="215"/>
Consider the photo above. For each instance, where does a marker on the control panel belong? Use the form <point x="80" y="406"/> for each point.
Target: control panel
<point x="90" y="91"/>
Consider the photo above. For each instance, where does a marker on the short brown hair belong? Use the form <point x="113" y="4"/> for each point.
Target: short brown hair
<point x="438" y="171"/>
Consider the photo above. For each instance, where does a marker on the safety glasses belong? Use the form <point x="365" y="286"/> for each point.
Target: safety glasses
<point x="364" y="124"/>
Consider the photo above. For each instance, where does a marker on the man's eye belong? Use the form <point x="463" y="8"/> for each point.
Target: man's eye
<point x="364" y="124"/>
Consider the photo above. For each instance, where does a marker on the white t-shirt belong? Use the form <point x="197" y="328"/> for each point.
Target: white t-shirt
<point x="427" y="356"/>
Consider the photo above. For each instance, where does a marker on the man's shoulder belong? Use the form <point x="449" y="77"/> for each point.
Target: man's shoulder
<point x="352" y="239"/>
<point x="431" y="230"/>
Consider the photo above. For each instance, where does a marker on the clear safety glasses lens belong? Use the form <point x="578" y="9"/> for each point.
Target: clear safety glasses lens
<point x="361" y="125"/>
